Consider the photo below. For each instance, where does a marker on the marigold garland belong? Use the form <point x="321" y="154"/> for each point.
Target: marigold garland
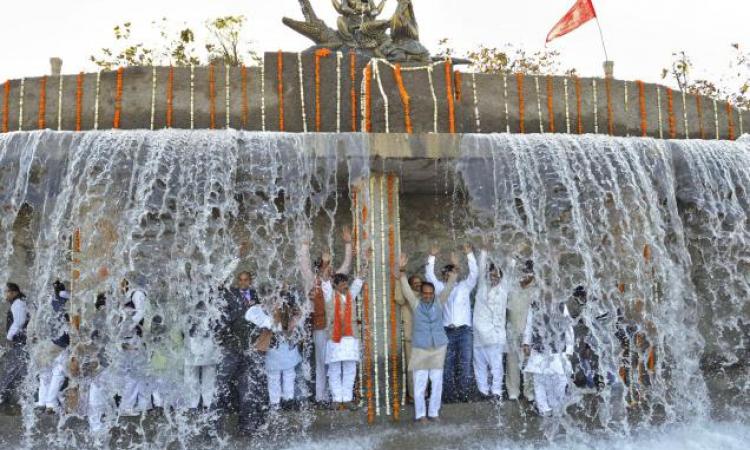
<point x="521" y="103"/>
<point x="458" y="82"/>
<point x="368" y="100"/>
<point x="6" y="107"/>
<point x="118" y="98"/>
<point x="699" y="110"/>
<point x="550" y="104"/>
<point x="280" y="81"/>
<point x="245" y="102"/>
<point x="392" y="295"/>
<point x="405" y="99"/>
<point x="730" y="120"/>
<point x="671" y="116"/>
<point x="320" y="53"/>
<point x="79" y="100"/>
<point x="642" y="105"/>
<point x="449" y="95"/>
<point x="579" y="106"/>
<point x="353" y="90"/>
<point x="211" y="97"/>
<point x="610" y="113"/>
<point x="170" y="96"/>
<point x="41" y="118"/>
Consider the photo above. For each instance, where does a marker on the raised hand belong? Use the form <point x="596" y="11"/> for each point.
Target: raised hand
<point x="468" y="248"/>
<point x="326" y="256"/>
<point x="434" y="250"/>
<point x="454" y="259"/>
<point x="403" y="261"/>
<point x="346" y="234"/>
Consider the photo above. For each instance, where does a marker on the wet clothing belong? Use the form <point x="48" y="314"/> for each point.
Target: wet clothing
<point x="17" y="321"/>
<point x="15" y="360"/>
<point x="519" y="302"/>
<point x="406" y="321"/>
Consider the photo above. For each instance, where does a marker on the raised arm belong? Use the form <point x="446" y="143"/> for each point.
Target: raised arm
<point x="406" y="292"/>
<point x="327" y="288"/>
<point x="429" y="272"/>
<point x="356" y="287"/>
<point x="482" y="286"/>
<point x="346" y="266"/>
<point x="305" y="265"/>
<point x="471" y="280"/>
<point x="258" y="317"/>
<point x="18" y="310"/>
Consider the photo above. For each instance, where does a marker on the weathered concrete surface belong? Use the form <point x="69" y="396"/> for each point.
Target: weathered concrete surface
<point x="254" y="100"/>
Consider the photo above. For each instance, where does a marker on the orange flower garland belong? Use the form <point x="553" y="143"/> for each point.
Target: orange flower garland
<point x="521" y="103"/>
<point x="321" y="53"/>
<point x="118" y="98"/>
<point x="642" y="104"/>
<point x="353" y="90"/>
<point x="579" y="106"/>
<point x="368" y="98"/>
<point x="280" y="80"/>
<point x="6" y="107"/>
<point x="405" y="100"/>
<point x="211" y="97"/>
<point x="392" y="293"/>
<point x="458" y="82"/>
<point x="170" y="96"/>
<point x="79" y="100"/>
<point x="610" y="114"/>
<point x="550" y="104"/>
<point x="699" y="109"/>
<point x="670" y="110"/>
<point x="42" y="117"/>
<point x="449" y="94"/>
<point x="730" y="121"/>
<point x="245" y="102"/>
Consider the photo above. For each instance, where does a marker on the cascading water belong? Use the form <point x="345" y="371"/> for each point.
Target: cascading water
<point x="653" y="230"/>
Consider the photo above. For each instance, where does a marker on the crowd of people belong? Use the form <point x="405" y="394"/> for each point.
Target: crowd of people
<point x="478" y="334"/>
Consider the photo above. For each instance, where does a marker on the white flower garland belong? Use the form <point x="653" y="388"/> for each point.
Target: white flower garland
<point x="21" y="94"/>
<point x="658" y="108"/>
<point x="384" y="296"/>
<point x="716" y="119"/>
<point x="505" y="100"/>
<point x="302" y="92"/>
<point x="263" y="93"/>
<point x="567" y="106"/>
<point x="192" y="96"/>
<point x="685" y="114"/>
<point x="596" y="106"/>
<point x="382" y="94"/>
<point x="227" y="68"/>
<point x="153" y="96"/>
<point x="59" y="103"/>
<point x="374" y="302"/>
<point x="430" y="70"/>
<point x="339" y="59"/>
<point x="476" y="102"/>
<point x="96" y="99"/>
<point x="539" y="104"/>
<point x="627" y="115"/>
<point x="363" y="99"/>
<point x="739" y="113"/>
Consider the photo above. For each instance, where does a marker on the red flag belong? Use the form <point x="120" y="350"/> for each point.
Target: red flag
<point x="580" y="13"/>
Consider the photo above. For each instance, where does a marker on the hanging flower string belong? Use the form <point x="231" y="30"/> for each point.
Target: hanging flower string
<point x="405" y="99"/>
<point x="6" y="107"/>
<point x="41" y="118"/>
<point x="521" y="103"/>
<point x="368" y="356"/>
<point x="170" y="97"/>
<point x="610" y="113"/>
<point x="353" y="90"/>
<point x="321" y="53"/>
<point x="579" y="106"/>
<point x="211" y="97"/>
<point x="730" y="120"/>
<point x="280" y="82"/>
<point x="458" y="82"/>
<point x="550" y="104"/>
<point x="699" y="110"/>
<point x="670" y="112"/>
<point x="392" y="295"/>
<point x="642" y="105"/>
<point x="368" y="98"/>
<point x="118" y="98"/>
<point x="79" y="100"/>
<point x="245" y="102"/>
<point x="449" y="95"/>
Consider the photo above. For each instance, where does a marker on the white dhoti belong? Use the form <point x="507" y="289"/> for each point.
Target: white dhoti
<point x="135" y="396"/>
<point x="200" y="383"/>
<point x="281" y="385"/>
<point x="342" y="358"/>
<point x="489" y="356"/>
<point x="550" y="380"/>
<point x="321" y="388"/>
<point x="421" y="377"/>
<point x="51" y="380"/>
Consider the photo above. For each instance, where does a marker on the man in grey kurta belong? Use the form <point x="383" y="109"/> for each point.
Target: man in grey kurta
<point x="519" y="301"/>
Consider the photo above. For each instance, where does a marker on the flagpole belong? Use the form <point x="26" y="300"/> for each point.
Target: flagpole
<point x="601" y="36"/>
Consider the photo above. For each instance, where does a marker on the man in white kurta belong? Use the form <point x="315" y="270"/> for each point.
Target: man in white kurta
<point x="489" y="328"/>
<point x="342" y="351"/>
<point x="549" y="342"/>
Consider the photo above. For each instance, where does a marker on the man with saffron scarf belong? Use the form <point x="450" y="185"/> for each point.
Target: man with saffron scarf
<point x="342" y="350"/>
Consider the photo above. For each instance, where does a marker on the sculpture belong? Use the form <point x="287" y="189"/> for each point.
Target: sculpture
<point x="359" y="29"/>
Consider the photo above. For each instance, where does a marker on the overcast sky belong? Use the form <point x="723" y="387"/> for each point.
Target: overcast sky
<point x="641" y="34"/>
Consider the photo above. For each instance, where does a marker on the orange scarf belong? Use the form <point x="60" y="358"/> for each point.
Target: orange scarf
<point x="348" y="330"/>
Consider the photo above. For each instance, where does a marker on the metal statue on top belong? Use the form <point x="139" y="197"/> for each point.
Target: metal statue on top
<point x="360" y="29"/>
